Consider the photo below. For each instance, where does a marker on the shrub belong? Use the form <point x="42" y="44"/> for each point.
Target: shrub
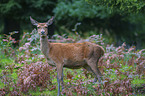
<point x="33" y="75"/>
<point x="121" y="68"/>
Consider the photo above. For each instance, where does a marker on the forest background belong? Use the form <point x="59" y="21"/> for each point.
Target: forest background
<point x="116" y="25"/>
<point x="118" y="20"/>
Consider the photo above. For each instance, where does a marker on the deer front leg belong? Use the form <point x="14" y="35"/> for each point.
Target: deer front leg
<point x="59" y="77"/>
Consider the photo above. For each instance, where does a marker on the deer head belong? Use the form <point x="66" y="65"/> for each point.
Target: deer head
<point x="42" y="27"/>
<point x="70" y="55"/>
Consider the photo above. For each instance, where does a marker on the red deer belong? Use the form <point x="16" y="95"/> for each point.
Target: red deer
<point x="70" y="55"/>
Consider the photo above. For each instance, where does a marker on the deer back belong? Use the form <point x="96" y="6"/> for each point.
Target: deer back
<point x="74" y="51"/>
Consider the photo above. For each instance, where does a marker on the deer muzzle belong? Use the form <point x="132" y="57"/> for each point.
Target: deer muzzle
<point x="42" y="32"/>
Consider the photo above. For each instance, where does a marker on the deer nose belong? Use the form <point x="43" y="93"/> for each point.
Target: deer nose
<point x="42" y="32"/>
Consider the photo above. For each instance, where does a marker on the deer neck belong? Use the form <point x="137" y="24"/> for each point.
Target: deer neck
<point x="45" y="46"/>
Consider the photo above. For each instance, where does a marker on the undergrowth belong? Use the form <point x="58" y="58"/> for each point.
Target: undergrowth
<point x="24" y="71"/>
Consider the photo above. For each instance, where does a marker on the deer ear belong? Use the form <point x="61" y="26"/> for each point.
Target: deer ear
<point x="50" y="21"/>
<point x="34" y="22"/>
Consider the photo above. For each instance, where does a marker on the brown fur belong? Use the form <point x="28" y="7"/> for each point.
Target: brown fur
<point x="70" y="55"/>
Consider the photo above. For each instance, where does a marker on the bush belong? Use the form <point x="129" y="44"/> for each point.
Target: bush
<point x="33" y="75"/>
<point x="122" y="69"/>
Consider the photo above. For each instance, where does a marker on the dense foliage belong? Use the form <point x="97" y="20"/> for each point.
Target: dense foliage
<point x="126" y="6"/>
<point x="27" y="73"/>
<point x="116" y="23"/>
<point x="24" y="70"/>
<point x="22" y="10"/>
<point x="119" y="20"/>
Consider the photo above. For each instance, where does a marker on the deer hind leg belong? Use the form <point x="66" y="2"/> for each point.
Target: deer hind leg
<point x="94" y="67"/>
<point x="88" y="68"/>
<point x="59" y="77"/>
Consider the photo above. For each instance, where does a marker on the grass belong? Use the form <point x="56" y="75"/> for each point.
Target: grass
<point x="138" y="81"/>
<point x="45" y="92"/>
<point x="118" y="66"/>
<point x="4" y="61"/>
